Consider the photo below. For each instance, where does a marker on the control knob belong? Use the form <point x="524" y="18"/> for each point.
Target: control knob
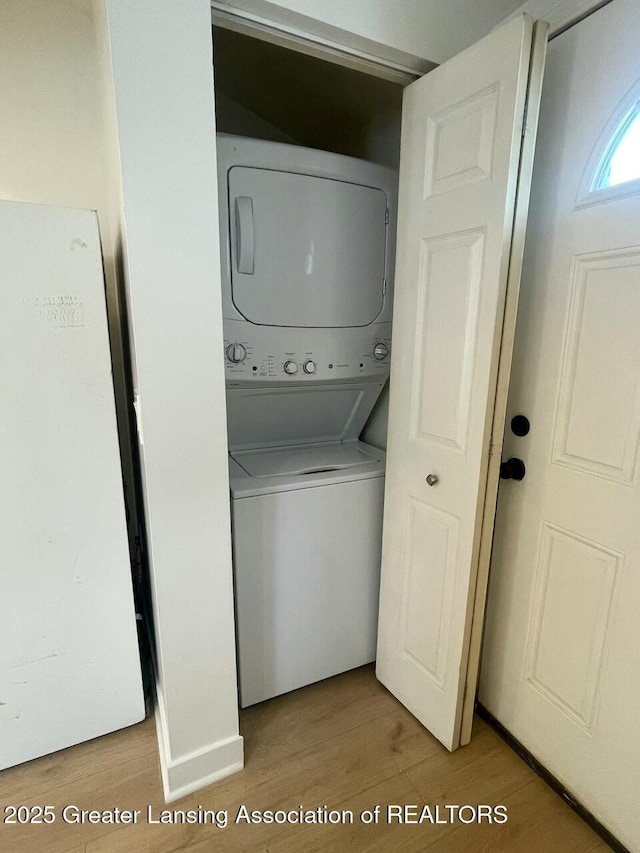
<point x="380" y="351"/>
<point x="236" y="353"/>
<point x="290" y="367"/>
<point x="309" y="366"/>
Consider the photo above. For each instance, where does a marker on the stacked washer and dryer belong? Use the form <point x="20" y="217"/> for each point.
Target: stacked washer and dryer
<point x="307" y="243"/>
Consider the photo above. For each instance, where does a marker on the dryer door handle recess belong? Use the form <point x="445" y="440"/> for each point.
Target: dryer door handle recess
<point x="244" y="234"/>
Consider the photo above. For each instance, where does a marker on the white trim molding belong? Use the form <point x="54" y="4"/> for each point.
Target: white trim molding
<point x="560" y="14"/>
<point x="200" y="768"/>
<point x="321" y="41"/>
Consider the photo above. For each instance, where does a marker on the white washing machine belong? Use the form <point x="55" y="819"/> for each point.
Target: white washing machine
<point x="307" y="258"/>
<point x="307" y="529"/>
<point x="307" y="538"/>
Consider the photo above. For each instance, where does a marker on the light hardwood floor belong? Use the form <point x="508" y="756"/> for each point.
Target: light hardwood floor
<point x="345" y="743"/>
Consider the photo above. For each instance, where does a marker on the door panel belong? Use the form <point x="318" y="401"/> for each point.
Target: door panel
<point x="461" y="147"/>
<point x="564" y="657"/>
<point x="427" y="596"/>
<point x="561" y="652"/>
<point x="450" y="276"/>
<point x="460" y="143"/>
<point x="604" y="305"/>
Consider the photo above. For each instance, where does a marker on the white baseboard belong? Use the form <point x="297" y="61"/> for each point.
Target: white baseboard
<point x="198" y="769"/>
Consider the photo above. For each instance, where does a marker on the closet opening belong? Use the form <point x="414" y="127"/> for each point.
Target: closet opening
<point x="308" y="255"/>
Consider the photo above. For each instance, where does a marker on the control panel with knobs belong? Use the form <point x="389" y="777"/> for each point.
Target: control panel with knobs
<point x="380" y="351"/>
<point x="302" y="356"/>
<point x="236" y="353"/>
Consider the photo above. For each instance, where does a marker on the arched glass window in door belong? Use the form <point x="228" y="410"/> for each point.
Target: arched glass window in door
<point x="621" y="161"/>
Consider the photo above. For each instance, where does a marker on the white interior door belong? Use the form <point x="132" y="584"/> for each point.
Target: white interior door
<point x="461" y="146"/>
<point x="561" y="659"/>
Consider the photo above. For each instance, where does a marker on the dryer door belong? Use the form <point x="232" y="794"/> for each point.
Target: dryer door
<point x="306" y="251"/>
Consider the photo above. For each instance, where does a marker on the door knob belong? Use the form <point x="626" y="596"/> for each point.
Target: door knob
<point x="512" y="469"/>
<point x="432" y="479"/>
<point x="520" y="425"/>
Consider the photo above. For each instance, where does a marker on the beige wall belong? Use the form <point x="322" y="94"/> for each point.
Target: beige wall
<point x="51" y="135"/>
<point x="50" y="138"/>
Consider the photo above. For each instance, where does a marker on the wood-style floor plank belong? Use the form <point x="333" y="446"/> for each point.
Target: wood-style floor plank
<point x="129" y="784"/>
<point x="329" y="773"/>
<point x="539" y="820"/>
<point x="290" y="723"/>
<point x="28" y="781"/>
<point x="345" y="743"/>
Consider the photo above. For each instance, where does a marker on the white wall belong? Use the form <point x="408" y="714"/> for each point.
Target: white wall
<point x="161" y="92"/>
<point x="430" y="29"/>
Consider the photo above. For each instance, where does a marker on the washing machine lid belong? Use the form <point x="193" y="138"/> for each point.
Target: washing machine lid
<point x="284" y="416"/>
<point x="285" y="469"/>
<point x="306" y="251"/>
<point x="299" y="461"/>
